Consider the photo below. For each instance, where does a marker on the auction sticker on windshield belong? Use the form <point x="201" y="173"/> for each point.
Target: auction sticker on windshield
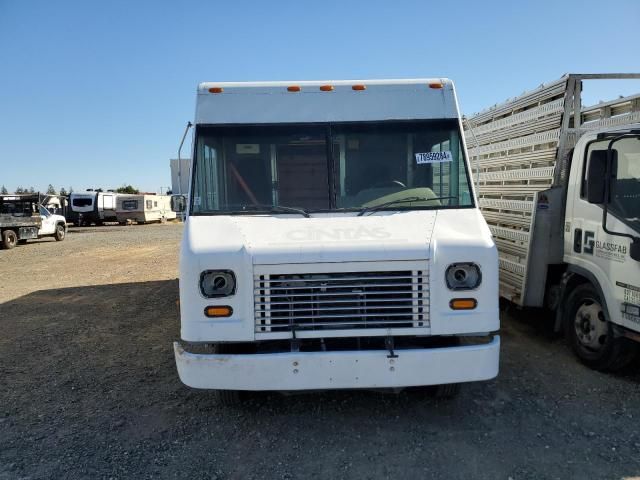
<point x="434" y="157"/>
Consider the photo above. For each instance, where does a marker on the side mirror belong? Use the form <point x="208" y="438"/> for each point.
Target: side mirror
<point x="178" y="203"/>
<point x="596" y="172"/>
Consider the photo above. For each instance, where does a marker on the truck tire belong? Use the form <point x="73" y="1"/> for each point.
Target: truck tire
<point x="9" y="239"/>
<point x="591" y="336"/>
<point x="60" y="232"/>
<point x="226" y="398"/>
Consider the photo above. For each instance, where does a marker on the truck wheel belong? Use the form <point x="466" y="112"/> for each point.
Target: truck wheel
<point x="9" y="239"/>
<point x="60" y="232"/>
<point x="591" y="336"/>
<point x="227" y="398"/>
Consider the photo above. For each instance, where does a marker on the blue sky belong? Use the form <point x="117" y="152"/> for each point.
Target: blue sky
<point x="96" y="94"/>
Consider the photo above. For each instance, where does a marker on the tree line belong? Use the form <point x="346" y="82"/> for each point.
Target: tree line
<point x="51" y="190"/>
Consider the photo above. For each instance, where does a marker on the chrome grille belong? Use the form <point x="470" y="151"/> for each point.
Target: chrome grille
<point x="341" y="300"/>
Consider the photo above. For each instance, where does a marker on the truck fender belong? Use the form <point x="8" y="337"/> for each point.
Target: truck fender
<point x="573" y="277"/>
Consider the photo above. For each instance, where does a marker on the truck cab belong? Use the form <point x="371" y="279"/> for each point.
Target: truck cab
<point x="333" y="241"/>
<point x="53" y="225"/>
<point x="602" y="245"/>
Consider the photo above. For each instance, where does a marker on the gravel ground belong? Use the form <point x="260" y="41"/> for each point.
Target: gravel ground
<point x="89" y="390"/>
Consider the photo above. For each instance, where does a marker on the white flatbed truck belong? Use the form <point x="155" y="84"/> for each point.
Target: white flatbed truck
<point x="559" y="185"/>
<point x="23" y="218"/>
<point x="333" y="241"/>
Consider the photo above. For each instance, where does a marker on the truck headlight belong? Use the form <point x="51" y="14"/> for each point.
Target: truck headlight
<point x="463" y="276"/>
<point x="217" y="283"/>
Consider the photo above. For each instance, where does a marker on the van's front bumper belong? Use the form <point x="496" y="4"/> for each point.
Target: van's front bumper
<point x="339" y="369"/>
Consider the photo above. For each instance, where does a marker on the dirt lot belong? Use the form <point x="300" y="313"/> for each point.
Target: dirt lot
<point x="89" y="389"/>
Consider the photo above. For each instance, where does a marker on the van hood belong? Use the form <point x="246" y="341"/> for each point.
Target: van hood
<point x="283" y="239"/>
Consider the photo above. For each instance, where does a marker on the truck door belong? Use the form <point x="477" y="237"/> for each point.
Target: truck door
<point x="48" y="222"/>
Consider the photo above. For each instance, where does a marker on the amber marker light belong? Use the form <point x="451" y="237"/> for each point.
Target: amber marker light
<point x="463" y="303"/>
<point x="293" y="88"/>
<point x="216" y="90"/>
<point x="358" y="88"/>
<point x="436" y="85"/>
<point x="326" y="88"/>
<point x="218" y="311"/>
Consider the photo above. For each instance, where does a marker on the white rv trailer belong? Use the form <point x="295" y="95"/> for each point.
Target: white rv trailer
<point x="92" y="207"/>
<point x="144" y="208"/>
<point x="561" y="247"/>
<point x="333" y="241"/>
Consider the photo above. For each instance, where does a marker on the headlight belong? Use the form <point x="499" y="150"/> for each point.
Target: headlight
<point x="217" y="283"/>
<point x="463" y="276"/>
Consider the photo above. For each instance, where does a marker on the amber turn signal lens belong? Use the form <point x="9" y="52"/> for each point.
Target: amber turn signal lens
<point x="359" y="87"/>
<point x="326" y="88"/>
<point x="463" y="303"/>
<point x="218" y="311"/>
<point x="216" y="90"/>
<point x="293" y="88"/>
<point x="436" y="85"/>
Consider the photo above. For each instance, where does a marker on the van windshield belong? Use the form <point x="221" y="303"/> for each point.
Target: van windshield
<point x="330" y="167"/>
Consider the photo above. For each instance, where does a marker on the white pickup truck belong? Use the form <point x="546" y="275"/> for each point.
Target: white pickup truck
<point x="333" y="241"/>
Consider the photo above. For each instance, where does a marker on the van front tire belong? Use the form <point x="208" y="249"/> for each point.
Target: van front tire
<point x="448" y="390"/>
<point x="226" y="398"/>
<point x="591" y="336"/>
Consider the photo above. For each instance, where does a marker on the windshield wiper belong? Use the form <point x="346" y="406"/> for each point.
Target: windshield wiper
<point x="373" y="208"/>
<point x="276" y="208"/>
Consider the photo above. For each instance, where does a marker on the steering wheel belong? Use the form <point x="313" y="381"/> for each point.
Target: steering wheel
<point x="389" y="183"/>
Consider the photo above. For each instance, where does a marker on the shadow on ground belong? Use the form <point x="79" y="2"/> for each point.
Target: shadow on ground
<point x="90" y="390"/>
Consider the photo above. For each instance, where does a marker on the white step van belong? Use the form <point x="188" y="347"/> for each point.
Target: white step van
<point x="333" y="241"/>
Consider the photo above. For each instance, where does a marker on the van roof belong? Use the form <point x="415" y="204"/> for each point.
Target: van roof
<point x="205" y="86"/>
<point x="273" y="102"/>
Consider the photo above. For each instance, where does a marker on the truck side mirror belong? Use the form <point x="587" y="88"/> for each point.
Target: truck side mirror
<point x="596" y="180"/>
<point x="178" y="203"/>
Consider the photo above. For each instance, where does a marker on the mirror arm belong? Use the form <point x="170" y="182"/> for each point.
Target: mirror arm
<point x="605" y="210"/>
